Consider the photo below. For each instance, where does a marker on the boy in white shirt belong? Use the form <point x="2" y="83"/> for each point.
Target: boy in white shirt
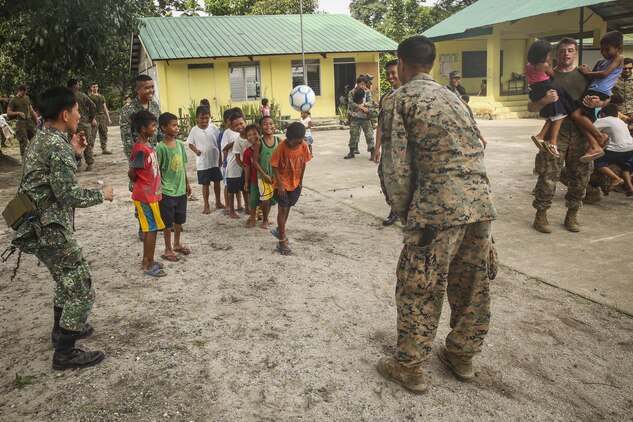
<point x="202" y="141"/>
<point x="618" y="151"/>
<point x="233" y="171"/>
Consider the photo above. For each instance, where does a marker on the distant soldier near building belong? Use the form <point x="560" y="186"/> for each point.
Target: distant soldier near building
<point x="50" y="181"/>
<point x="455" y="83"/>
<point x="21" y="108"/>
<point x="433" y="176"/>
<point x="360" y="115"/>
<point x="87" y="111"/>
<point x="144" y="86"/>
<point x="102" y="118"/>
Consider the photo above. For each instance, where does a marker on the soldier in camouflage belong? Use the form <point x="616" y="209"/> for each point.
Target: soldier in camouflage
<point x="144" y="86"/>
<point x="360" y="121"/>
<point x="433" y="176"/>
<point x="49" y="179"/>
<point x="87" y="111"/>
<point x="102" y="118"/>
<point x="571" y="146"/>
<point x="20" y="107"/>
<point x="624" y="88"/>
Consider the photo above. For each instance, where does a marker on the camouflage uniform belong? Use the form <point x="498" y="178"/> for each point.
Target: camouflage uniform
<point x="87" y="111"/>
<point x="102" y="124"/>
<point x="49" y="178"/>
<point x="433" y="175"/>
<point x="624" y="87"/>
<point x="357" y="124"/>
<point x="128" y="136"/>
<point x="24" y="128"/>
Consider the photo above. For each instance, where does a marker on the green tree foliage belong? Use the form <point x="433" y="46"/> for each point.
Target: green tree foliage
<point x="228" y="7"/>
<point x="369" y="12"/>
<point x="283" y="7"/>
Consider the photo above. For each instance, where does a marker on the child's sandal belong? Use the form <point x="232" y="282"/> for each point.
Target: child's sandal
<point x="282" y="247"/>
<point x="552" y="149"/>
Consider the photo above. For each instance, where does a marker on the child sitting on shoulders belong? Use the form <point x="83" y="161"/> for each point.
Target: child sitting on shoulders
<point x="539" y="74"/>
<point x="250" y="173"/>
<point x="605" y="75"/>
<point x="289" y="165"/>
<point x="172" y="160"/>
<point x="146" y="193"/>
<point x="306" y="120"/>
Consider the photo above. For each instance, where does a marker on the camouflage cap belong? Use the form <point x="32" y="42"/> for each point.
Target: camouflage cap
<point x="455" y="74"/>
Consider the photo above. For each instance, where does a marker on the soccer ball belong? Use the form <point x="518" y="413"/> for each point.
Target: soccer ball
<point x="302" y="98"/>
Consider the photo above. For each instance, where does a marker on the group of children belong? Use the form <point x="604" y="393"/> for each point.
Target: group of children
<point x="539" y="74"/>
<point x="254" y="164"/>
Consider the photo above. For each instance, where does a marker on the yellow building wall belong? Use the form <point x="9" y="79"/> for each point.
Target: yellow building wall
<point x="179" y="85"/>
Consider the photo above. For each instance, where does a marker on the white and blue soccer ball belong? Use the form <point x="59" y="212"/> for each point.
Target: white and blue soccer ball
<point x="302" y="98"/>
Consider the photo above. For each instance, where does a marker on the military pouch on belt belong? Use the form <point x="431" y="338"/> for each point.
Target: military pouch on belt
<point x="19" y="208"/>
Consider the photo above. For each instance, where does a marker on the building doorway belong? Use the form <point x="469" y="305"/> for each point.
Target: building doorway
<point x="344" y="78"/>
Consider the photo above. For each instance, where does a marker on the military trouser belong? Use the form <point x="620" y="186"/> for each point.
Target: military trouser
<point x="102" y="129"/>
<point x="89" y="151"/>
<point x="24" y="132"/>
<point x="455" y="260"/>
<point x="74" y="292"/>
<point x="571" y="146"/>
<point x="355" y="126"/>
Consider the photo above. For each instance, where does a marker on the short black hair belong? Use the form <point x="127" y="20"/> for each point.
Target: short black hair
<point x="359" y="95"/>
<point x="142" y="78"/>
<point x="628" y="60"/>
<point x="296" y="130"/>
<point x="391" y="63"/>
<point x="165" y="118"/>
<point x="230" y="111"/>
<point x="362" y="79"/>
<point x="142" y="118"/>
<point x="264" y="101"/>
<point x="206" y="103"/>
<point x="261" y="119"/>
<point x="616" y="99"/>
<point x="538" y="51"/>
<point x="202" y="110"/>
<point x="21" y="87"/>
<point x="71" y="83"/>
<point x="417" y="51"/>
<point x="55" y="100"/>
<point x="613" y="38"/>
<point x="252" y="127"/>
<point x="567" y="41"/>
<point x="610" y="110"/>
<point x="236" y="115"/>
<point x="93" y="83"/>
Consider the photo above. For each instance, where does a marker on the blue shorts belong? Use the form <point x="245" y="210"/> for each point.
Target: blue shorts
<point x="309" y="140"/>
<point x="149" y="216"/>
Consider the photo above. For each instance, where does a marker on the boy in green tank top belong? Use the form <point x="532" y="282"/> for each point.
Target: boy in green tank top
<point x="261" y="160"/>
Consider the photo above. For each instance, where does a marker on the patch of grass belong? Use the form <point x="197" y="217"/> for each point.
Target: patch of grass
<point x="22" y="381"/>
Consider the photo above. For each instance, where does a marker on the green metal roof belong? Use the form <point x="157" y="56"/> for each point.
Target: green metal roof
<point x="484" y="13"/>
<point x="169" y="38"/>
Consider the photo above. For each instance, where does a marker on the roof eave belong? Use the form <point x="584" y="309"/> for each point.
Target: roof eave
<point x="272" y="55"/>
<point x="469" y="33"/>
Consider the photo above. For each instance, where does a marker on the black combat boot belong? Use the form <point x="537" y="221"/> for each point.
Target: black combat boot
<point x="68" y="357"/>
<point x="57" y="315"/>
<point x="349" y="155"/>
<point x="391" y="218"/>
<point x="371" y="154"/>
<point x="356" y="151"/>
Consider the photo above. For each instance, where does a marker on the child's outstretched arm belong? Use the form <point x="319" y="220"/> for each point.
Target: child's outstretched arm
<point x="617" y="62"/>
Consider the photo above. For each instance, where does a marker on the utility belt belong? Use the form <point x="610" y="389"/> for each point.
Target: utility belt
<point x="21" y="208"/>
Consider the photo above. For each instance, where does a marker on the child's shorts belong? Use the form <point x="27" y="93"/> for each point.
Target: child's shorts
<point x="205" y="177"/>
<point x="253" y="200"/>
<point x="309" y="140"/>
<point x="591" y="112"/>
<point x="290" y="199"/>
<point x="235" y="184"/>
<point x="149" y="216"/>
<point x="173" y="210"/>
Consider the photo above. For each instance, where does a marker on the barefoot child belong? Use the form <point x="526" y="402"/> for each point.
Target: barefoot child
<point x="145" y="175"/>
<point x="172" y="160"/>
<point x="239" y="146"/>
<point x="250" y="172"/>
<point x="539" y="74"/>
<point x="306" y="120"/>
<point x="233" y="174"/>
<point x="289" y="164"/>
<point x="203" y="141"/>
<point x="261" y="160"/>
<point x="605" y="75"/>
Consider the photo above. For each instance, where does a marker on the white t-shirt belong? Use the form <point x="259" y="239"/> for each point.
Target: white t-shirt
<point x="232" y="168"/>
<point x="206" y="140"/>
<point x="618" y="131"/>
<point x="240" y="146"/>
<point x="306" y="123"/>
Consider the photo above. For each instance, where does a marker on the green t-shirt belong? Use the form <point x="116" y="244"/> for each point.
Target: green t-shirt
<point x="171" y="162"/>
<point x="21" y="104"/>
<point x="99" y="101"/>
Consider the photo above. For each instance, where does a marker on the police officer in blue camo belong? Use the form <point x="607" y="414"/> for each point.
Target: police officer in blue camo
<point x="50" y="181"/>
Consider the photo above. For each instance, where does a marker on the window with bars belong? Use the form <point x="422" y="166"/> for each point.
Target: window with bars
<point x="313" y="67"/>
<point x="245" y="81"/>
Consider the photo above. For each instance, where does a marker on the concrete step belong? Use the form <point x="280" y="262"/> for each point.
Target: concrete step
<point x="514" y="115"/>
<point x="329" y="127"/>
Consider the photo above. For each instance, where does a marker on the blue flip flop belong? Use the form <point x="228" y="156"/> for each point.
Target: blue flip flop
<point x="276" y="233"/>
<point x="156" y="271"/>
<point x="284" y="250"/>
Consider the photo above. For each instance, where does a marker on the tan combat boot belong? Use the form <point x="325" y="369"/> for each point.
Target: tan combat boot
<point x="540" y="222"/>
<point x="410" y="378"/>
<point x="571" y="221"/>
<point x="89" y="167"/>
<point x="105" y="151"/>
<point x="462" y="367"/>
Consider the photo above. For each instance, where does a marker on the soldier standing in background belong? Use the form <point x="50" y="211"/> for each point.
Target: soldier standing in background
<point x="624" y="88"/>
<point x="50" y="181"/>
<point x="433" y="176"/>
<point x="455" y="83"/>
<point x="87" y="111"/>
<point x="20" y="106"/>
<point x="356" y="124"/>
<point x="102" y="116"/>
<point x="144" y="86"/>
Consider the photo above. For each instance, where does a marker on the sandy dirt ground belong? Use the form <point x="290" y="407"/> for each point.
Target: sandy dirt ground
<point x="238" y="332"/>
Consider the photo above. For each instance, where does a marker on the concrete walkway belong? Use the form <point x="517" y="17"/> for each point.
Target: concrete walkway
<point x="595" y="263"/>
